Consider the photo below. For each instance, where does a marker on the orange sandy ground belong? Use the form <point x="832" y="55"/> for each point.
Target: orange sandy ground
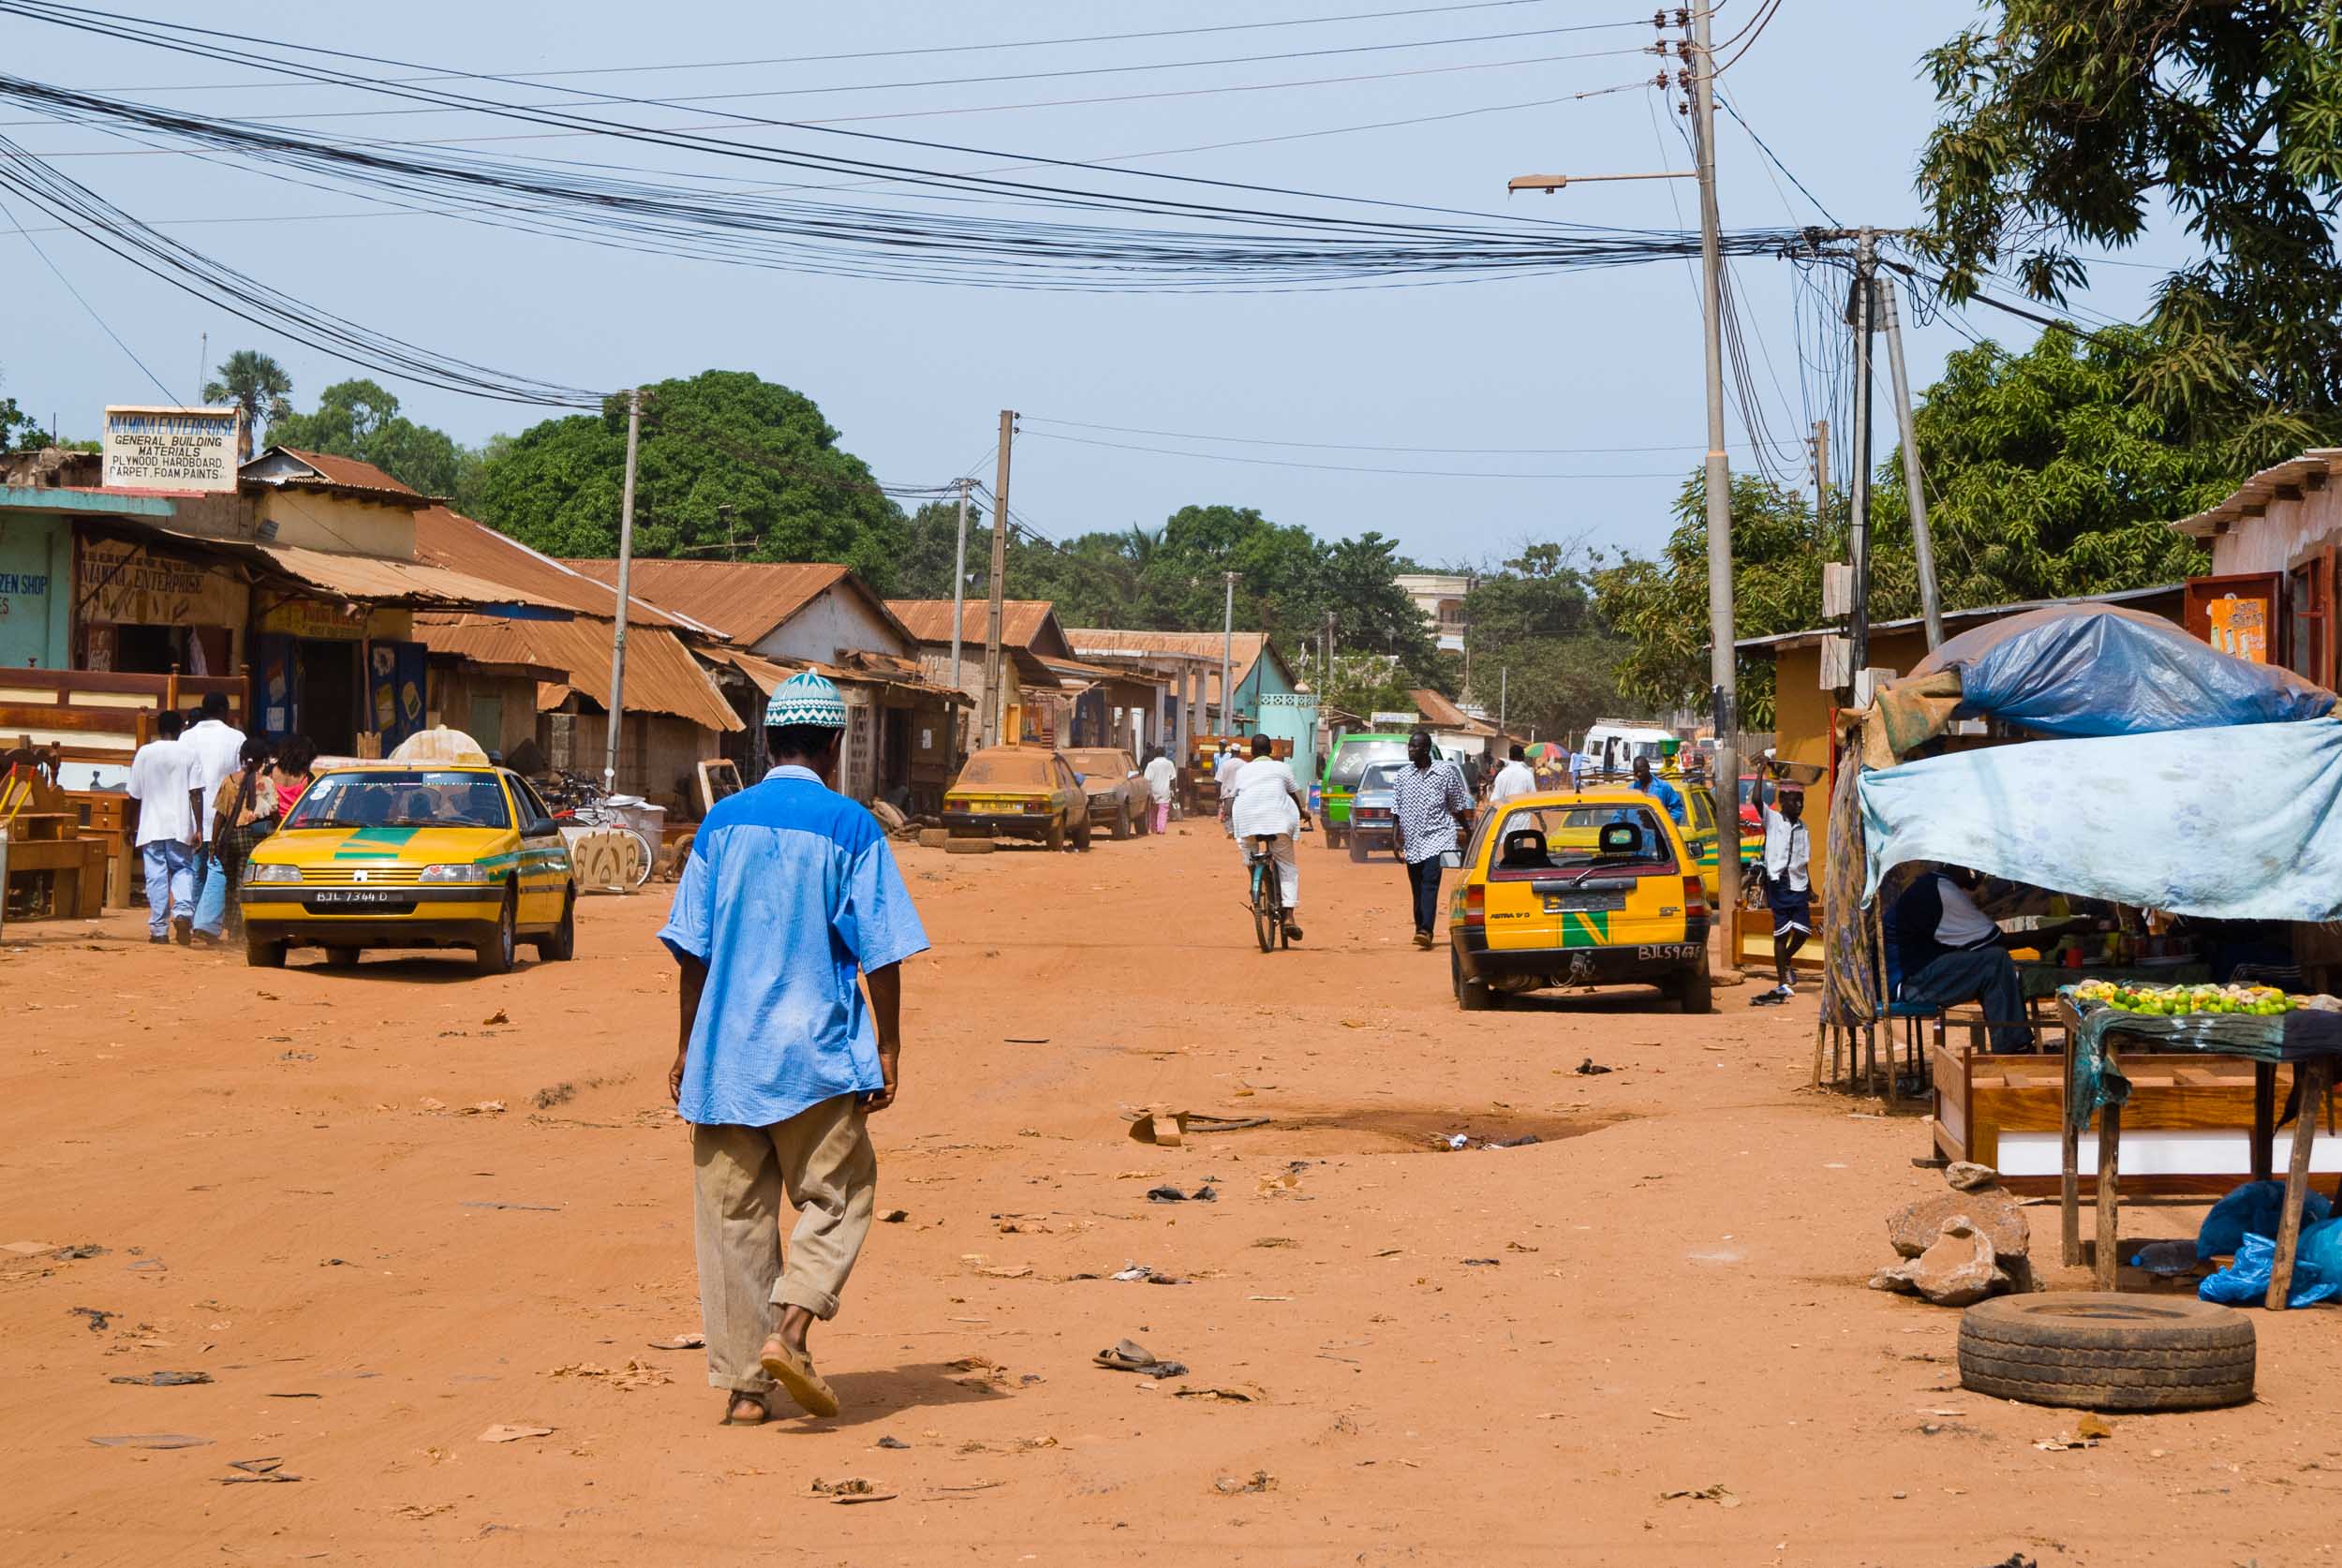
<point x="1676" y="1302"/>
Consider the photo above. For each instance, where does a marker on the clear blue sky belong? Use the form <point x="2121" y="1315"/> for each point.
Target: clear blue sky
<point x="913" y="375"/>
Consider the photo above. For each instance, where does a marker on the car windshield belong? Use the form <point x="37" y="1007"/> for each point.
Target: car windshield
<point x="1382" y="776"/>
<point x="1356" y="756"/>
<point x="1007" y="770"/>
<point x="1540" y="840"/>
<point x="1094" y="764"/>
<point x="402" y="797"/>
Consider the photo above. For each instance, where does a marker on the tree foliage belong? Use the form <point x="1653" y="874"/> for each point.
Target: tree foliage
<point x="1540" y="649"/>
<point x="2070" y="122"/>
<point x="360" y="419"/>
<point x="730" y="466"/>
<point x="254" y="384"/>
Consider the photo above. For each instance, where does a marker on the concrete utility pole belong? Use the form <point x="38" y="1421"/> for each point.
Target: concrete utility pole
<point x="626" y="565"/>
<point x="1861" y="314"/>
<point x="993" y="691"/>
<point x="1914" y="480"/>
<point x="1721" y="654"/>
<point x="1227" y="650"/>
<point x="959" y="614"/>
<point x="1504" y="691"/>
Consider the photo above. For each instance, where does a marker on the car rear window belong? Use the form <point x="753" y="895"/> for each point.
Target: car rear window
<point x="402" y="797"/>
<point x="1354" y="757"/>
<point x="1539" y="841"/>
<point x="1093" y="764"/>
<point x="1008" y="770"/>
<point x="1382" y="776"/>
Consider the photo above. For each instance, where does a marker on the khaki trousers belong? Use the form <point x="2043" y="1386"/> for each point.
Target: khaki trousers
<point x="821" y="1158"/>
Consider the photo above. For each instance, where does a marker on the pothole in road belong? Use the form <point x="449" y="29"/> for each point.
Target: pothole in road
<point x="1426" y="1129"/>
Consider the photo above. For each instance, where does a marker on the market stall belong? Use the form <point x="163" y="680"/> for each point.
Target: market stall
<point x="2180" y="796"/>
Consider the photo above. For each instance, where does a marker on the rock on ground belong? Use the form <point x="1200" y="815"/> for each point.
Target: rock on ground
<point x="1915" y="1227"/>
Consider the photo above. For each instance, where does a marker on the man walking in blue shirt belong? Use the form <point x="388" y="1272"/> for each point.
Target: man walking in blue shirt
<point x="789" y="891"/>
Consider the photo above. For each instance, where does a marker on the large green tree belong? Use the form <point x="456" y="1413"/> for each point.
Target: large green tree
<point x="2069" y="125"/>
<point x="360" y="419"/>
<point x="730" y="464"/>
<point x="254" y="384"/>
<point x="1541" y="654"/>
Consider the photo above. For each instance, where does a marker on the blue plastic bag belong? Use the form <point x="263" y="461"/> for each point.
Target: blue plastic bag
<point x="2317" y="1270"/>
<point x="2252" y="1209"/>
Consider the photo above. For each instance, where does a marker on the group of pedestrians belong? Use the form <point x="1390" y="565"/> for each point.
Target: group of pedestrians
<point x="207" y="792"/>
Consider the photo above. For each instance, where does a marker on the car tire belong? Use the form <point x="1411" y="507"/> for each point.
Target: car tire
<point x="496" y="954"/>
<point x="262" y="953"/>
<point x="1695" y="989"/>
<point x="560" y="945"/>
<point x="341" y="957"/>
<point x="1057" y="834"/>
<point x="1081" y="836"/>
<point x="1357" y="851"/>
<point x="2108" y="1349"/>
<point x="1121" y="828"/>
<point x="1334" y="837"/>
<point x="1472" y="996"/>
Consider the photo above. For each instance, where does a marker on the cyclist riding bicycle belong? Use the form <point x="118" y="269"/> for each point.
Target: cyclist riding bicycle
<point x="1261" y="799"/>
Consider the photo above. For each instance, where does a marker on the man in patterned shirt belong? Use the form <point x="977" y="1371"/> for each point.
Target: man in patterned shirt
<point x="1432" y="803"/>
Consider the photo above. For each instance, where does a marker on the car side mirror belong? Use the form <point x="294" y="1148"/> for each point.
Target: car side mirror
<point x="540" y="827"/>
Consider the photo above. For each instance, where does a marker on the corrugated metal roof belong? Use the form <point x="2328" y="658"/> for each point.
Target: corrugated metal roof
<point x="1437" y="710"/>
<point x="1025" y="623"/>
<point x="1811" y="636"/>
<point x="1244" y="649"/>
<point x="661" y="676"/>
<point x="449" y="539"/>
<point x="748" y="599"/>
<point x="381" y="580"/>
<point x="2312" y="470"/>
<point x="348" y="473"/>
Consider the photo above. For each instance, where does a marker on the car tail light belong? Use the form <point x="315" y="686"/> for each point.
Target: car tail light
<point x="1035" y="805"/>
<point x="1695" y="897"/>
<point x="1475" y="906"/>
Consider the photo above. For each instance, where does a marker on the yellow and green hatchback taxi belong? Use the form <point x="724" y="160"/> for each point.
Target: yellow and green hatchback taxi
<point x="388" y="855"/>
<point x="1590" y="887"/>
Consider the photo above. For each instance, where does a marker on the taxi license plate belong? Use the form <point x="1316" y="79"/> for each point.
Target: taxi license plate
<point x="359" y="896"/>
<point x="1556" y="903"/>
<point x="1664" y="951"/>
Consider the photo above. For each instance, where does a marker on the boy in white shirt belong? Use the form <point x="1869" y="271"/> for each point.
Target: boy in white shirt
<point x="164" y="775"/>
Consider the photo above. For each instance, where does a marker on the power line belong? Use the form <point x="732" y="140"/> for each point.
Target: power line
<point x="24" y="234"/>
<point x="1336" y="467"/>
<point x="1370" y="446"/>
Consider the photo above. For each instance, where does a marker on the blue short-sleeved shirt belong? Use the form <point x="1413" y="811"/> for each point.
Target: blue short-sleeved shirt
<point x="789" y="891"/>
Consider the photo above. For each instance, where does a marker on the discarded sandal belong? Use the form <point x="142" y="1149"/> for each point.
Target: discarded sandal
<point x="794" y="1372"/>
<point x="1129" y="1356"/>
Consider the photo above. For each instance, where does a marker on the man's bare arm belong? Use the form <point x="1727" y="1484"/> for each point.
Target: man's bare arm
<point x="691" y="981"/>
<point x="886" y="1008"/>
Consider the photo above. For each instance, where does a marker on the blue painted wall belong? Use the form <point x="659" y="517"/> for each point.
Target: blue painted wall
<point x="36" y="592"/>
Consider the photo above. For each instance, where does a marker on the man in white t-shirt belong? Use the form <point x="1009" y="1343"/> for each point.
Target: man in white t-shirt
<point x="217" y="746"/>
<point x="1223" y="770"/>
<point x="164" y="775"/>
<point x="1262" y="799"/>
<point x="1163" y="778"/>
<point x="1516" y="778"/>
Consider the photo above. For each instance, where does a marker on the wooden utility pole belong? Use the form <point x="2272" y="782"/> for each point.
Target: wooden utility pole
<point x="1914" y="479"/>
<point x="1861" y="312"/>
<point x="626" y="563"/>
<point x="1227" y="650"/>
<point x="959" y="615"/>
<point x="1722" y="654"/>
<point x="993" y="689"/>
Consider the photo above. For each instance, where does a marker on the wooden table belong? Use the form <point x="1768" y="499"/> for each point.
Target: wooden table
<point x="2314" y="1076"/>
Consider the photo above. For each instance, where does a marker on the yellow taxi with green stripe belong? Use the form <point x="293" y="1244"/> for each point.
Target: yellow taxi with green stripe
<point x="1594" y="887"/>
<point x="1700" y="837"/>
<point x="389" y="854"/>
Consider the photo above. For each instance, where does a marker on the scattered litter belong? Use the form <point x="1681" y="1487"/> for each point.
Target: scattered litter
<point x="1518" y="1247"/>
<point x="2169" y="1258"/>
<point x="681" y="1341"/>
<point x="893" y="1217"/>
<point x="1167" y="1194"/>
<point x="1521" y="1142"/>
<point x="332" y="1263"/>
<point x="498" y="1016"/>
<point x="421" y="1510"/>
<point x="1024" y="1039"/>
<point x="270" y="1469"/>
<point x="1459" y="1140"/>
<point x="555" y="1094"/>
<point x="1238" y="1393"/>
<point x="148" y="1265"/>
<point x="892" y="1443"/>
<point x="1590" y="1068"/>
<point x="1006" y="1271"/>
<point x="427" y="1103"/>
<point x="1391" y="1252"/>
<point x="1483" y="1263"/>
<point x="164" y="1380"/>
<point x="1138" y="1271"/>
<point x="1231" y="1485"/>
<point x="506" y="1432"/>
<point x="1669" y="1414"/>
<point x="1702" y="1494"/>
<point x="150" y="1439"/>
<point x="296" y="1396"/>
<point x="1283" y="1181"/>
<point x="99" y="1318"/>
<point x="973" y="1487"/>
<point x="87" y="1250"/>
<point x="294" y="1055"/>
<point x="2088" y="1432"/>
<point x="487" y="1202"/>
<point x="1129" y="1356"/>
<point x="484" y="1108"/>
<point x="1276" y="1241"/>
<point x="852" y="1488"/>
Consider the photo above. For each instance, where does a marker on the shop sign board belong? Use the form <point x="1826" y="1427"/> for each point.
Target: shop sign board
<point x="328" y="620"/>
<point x="2239" y="627"/>
<point x="171" y="448"/>
<point x="127" y="584"/>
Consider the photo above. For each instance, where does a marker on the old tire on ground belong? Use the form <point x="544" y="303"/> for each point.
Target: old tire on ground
<point x="934" y="838"/>
<point x="1695" y="989"/>
<point x="2108" y="1349"/>
<point x="967" y="847"/>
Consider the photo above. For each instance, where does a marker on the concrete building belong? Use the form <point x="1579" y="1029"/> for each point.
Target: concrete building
<point x="2270" y="593"/>
<point x="1440" y="595"/>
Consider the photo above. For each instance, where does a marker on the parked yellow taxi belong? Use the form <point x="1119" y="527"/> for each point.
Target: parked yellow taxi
<point x="389" y="854"/>
<point x="1017" y="792"/>
<point x="1579" y="888"/>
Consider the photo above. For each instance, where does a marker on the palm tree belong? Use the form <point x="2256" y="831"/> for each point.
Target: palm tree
<point x="258" y="385"/>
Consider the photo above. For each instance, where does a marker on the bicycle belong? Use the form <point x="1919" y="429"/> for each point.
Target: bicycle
<point x="579" y="802"/>
<point x="1269" y="914"/>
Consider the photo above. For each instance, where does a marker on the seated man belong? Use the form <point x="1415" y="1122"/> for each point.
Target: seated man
<point x="1946" y="952"/>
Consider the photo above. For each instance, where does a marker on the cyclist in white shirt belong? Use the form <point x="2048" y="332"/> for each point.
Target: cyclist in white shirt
<point x="1263" y="799"/>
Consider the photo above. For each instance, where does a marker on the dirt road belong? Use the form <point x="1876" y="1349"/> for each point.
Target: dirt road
<point x="1483" y="1356"/>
